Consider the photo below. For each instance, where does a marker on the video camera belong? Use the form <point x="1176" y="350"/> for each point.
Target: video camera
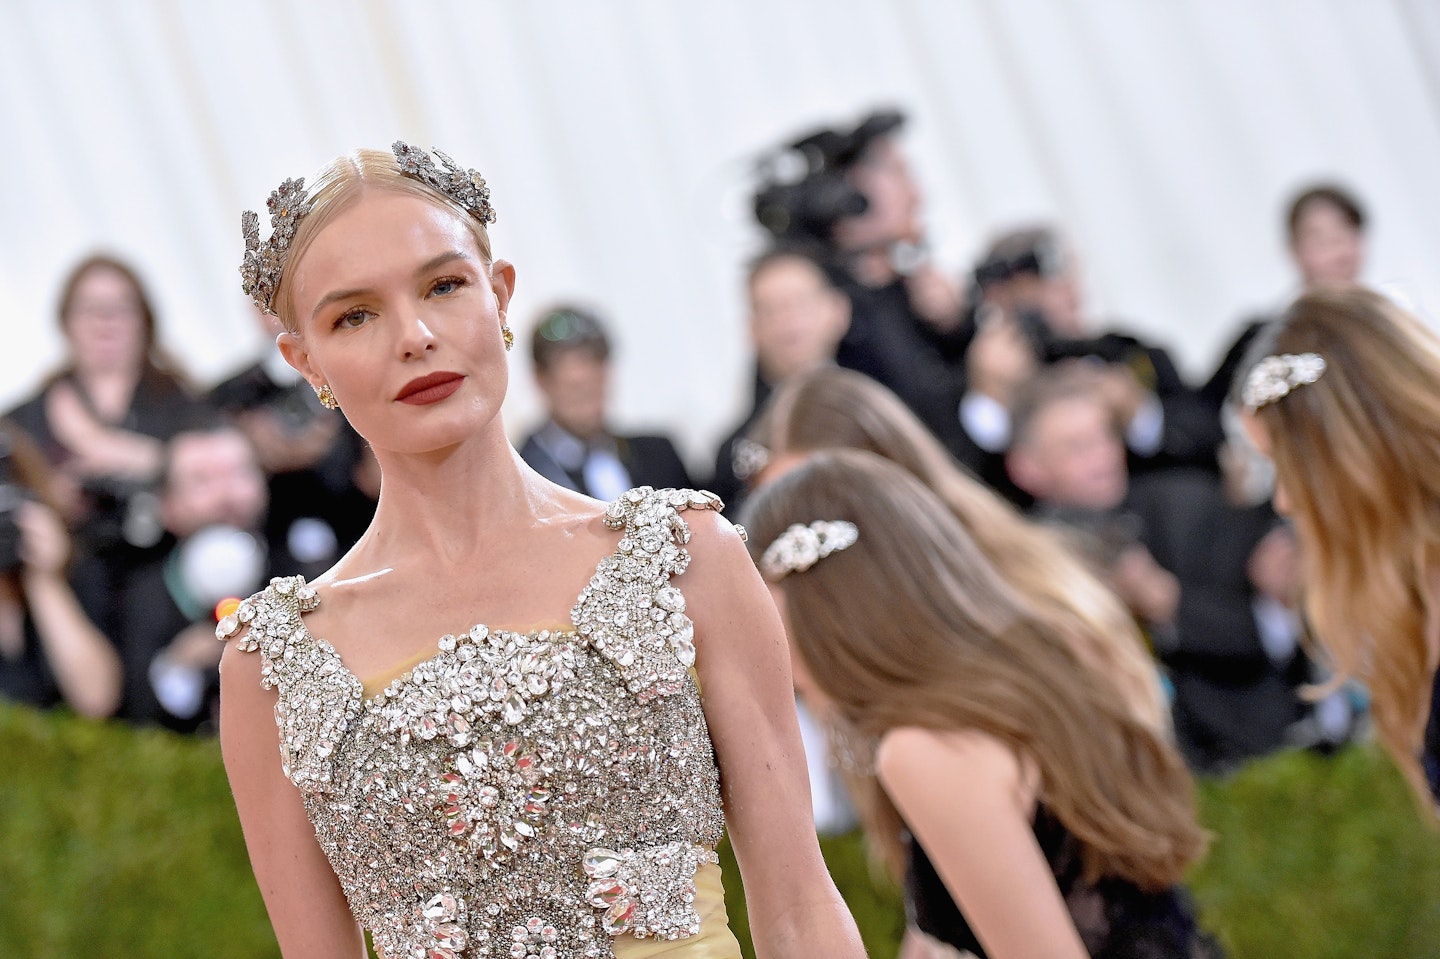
<point x="803" y="189"/>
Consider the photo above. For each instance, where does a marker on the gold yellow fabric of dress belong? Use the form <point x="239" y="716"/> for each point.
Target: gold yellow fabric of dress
<point x="715" y="940"/>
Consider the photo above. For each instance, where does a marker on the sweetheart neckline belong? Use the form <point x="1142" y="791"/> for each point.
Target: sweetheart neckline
<point x="436" y="649"/>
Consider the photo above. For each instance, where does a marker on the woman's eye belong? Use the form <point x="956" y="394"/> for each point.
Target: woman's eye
<point x="446" y="286"/>
<point x="351" y="319"/>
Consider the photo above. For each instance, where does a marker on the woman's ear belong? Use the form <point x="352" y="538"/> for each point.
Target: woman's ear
<point x="502" y="282"/>
<point x="293" y="349"/>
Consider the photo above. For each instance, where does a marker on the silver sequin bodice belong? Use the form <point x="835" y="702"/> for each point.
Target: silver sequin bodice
<point x="515" y="795"/>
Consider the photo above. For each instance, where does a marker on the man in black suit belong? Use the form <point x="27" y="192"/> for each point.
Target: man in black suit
<point x="575" y="447"/>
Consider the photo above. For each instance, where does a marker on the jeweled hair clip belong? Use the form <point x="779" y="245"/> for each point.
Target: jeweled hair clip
<point x="263" y="263"/>
<point x="1275" y="376"/>
<point x="802" y="546"/>
<point x="465" y="187"/>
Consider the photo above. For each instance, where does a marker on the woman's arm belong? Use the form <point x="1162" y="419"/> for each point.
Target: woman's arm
<point x="795" y="910"/>
<point x="85" y="664"/>
<point x="967" y="800"/>
<point x="304" y="899"/>
<point x="100" y="450"/>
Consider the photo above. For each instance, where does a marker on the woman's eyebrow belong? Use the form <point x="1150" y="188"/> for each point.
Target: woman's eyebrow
<point x="430" y="264"/>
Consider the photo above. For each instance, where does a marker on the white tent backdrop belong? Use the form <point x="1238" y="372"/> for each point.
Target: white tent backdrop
<point x="618" y="139"/>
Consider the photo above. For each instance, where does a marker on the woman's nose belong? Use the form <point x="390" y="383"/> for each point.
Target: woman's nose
<point x="416" y="337"/>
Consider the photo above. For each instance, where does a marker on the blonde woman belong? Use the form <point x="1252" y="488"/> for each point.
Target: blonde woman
<point x="1346" y="402"/>
<point x="1034" y="804"/>
<point x="471" y="760"/>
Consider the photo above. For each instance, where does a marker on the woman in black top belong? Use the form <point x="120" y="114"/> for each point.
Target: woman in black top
<point x="103" y="418"/>
<point x="1008" y="746"/>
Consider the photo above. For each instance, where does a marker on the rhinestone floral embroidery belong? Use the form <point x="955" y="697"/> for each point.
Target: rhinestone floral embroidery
<point x="631" y="887"/>
<point x="523" y="795"/>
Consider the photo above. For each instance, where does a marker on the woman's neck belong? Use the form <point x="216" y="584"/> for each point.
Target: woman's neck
<point x="110" y="391"/>
<point x="448" y="507"/>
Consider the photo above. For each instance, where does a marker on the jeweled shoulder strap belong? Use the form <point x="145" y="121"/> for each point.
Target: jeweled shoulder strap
<point x="630" y="611"/>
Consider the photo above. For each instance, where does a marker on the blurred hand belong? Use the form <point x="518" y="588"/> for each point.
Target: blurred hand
<point x="935" y="296"/>
<point x="195" y="647"/>
<point x="1000" y="359"/>
<point x="1274" y="567"/>
<point x="44" y="544"/>
<point x="1151" y="591"/>
<point x="96" y="449"/>
<point x="282" y="451"/>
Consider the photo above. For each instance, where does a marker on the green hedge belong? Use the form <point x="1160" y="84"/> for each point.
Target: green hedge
<point x="122" y="843"/>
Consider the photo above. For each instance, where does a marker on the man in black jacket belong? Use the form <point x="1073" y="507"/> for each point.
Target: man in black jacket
<point x="575" y="446"/>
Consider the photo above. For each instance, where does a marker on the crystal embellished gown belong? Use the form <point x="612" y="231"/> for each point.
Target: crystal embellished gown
<point x="538" y="795"/>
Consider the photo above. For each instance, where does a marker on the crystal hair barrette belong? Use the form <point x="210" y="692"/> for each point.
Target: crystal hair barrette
<point x="263" y="263"/>
<point x="801" y="546"/>
<point x="1275" y="376"/>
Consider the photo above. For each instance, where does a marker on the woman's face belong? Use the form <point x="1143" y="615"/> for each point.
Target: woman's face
<point x="805" y="686"/>
<point x="1260" y="438"/>
<point x="105" y="325"/>
<point x="397" y="311"/>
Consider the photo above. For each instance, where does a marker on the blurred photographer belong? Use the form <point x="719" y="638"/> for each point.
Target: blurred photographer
<point x="213" y="502"/>
<point x="1191" y="566"/>
<point x="1032" y="316"/>
<point x="51" y="652"/>
<point x="309" y="455"/>
<point x="102" y="420"/>
<point x="850" y="192"/>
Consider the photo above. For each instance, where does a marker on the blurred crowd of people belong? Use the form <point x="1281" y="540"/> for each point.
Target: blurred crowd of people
<point x="134" y="507"/>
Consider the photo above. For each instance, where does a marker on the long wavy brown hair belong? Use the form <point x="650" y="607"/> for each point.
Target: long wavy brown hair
<point x="915" y="625"/>
<point x="1358" y="454"/>
<point x="839" y="409"/>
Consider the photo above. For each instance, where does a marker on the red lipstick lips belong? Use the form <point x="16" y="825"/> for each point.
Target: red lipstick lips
<point x="431" y="388"/>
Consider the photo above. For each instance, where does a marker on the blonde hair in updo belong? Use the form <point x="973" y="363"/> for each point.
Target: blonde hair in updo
<point x="339" y="186"/>
<point x="1358" y="452"/>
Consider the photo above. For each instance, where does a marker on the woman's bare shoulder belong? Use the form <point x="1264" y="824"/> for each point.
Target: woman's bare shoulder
<point x="916" y="758"/>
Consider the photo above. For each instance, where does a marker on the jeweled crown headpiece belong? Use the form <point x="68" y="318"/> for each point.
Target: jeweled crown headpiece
<point x="1275" y="376"/>
<point x="801" y="546"/>
<point x="263" y="264"/>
